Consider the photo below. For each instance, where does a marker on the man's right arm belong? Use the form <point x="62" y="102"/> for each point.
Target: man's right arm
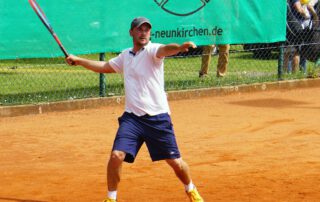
<point x="172" y="49"/>
<point x="96" y="66"/>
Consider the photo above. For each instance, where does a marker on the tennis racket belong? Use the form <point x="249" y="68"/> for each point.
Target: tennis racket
<point x="45" y="21"/>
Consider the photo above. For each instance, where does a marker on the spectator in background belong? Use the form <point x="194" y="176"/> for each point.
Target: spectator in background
<point x="223" y="60"/>
<point x="299" y="17"/>
<point x="312" y="47"/>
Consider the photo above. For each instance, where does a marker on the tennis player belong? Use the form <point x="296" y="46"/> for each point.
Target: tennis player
<point x="147" y="115"/>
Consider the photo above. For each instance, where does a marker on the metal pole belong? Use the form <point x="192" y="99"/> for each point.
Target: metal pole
<point x="280" y="61"/>
<point x="102" y="80"/>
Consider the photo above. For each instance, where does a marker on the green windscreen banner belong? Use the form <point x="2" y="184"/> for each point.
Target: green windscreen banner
<point x="103" y="26"/>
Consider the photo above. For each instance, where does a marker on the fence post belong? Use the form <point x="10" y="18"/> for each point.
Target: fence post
<point x="102" y="80"/>
<point x="280" y="61"/>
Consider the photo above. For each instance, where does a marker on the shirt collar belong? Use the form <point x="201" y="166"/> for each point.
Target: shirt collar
<point x="142" y="49"/>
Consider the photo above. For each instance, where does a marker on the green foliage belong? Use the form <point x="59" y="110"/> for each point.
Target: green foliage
<point x="313" y="72"/>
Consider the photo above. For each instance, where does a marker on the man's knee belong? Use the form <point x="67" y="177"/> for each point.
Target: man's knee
<point x="116" y="158"/>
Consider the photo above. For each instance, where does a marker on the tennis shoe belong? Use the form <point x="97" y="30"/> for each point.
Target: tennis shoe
<point x="110" y="200"/>
<point x="194" y="195"/>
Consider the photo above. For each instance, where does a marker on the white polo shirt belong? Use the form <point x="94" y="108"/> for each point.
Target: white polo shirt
<point x="143" y="80"/>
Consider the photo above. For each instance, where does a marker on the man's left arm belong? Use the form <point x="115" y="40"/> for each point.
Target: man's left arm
<point x="172" y="49"/>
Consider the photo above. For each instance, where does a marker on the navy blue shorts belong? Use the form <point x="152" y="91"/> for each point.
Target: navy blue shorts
<point x="156" y="131"/>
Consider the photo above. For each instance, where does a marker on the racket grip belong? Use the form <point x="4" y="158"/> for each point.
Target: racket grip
<point x="66" y="54"/>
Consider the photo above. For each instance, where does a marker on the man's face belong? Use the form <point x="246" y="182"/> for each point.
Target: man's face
<point x="141" y="35"/>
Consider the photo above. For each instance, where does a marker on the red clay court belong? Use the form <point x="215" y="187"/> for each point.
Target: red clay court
<point x="261" y="146"/>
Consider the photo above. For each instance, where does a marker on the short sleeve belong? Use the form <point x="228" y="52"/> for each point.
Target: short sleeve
<point x="153" y="51"/>
<point x="117" y="63"/>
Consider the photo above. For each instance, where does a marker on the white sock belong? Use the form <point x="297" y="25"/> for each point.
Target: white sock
<point x="112" y="195"/>
<point x="189" y="186"/>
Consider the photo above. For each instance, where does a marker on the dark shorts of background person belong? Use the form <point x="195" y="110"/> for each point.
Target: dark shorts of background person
<point x="300" y="40"/>
<point x="296" y="38"/>
<point x="156" y="131"/>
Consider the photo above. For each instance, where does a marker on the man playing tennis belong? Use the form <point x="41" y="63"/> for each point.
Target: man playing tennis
<point x="146" y="117"/>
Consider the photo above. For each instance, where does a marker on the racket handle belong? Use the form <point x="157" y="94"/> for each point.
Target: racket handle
<point x="66" y="54"/>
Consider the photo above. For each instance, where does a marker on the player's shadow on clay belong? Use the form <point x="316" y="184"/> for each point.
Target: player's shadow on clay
<point x="19" y="200"/>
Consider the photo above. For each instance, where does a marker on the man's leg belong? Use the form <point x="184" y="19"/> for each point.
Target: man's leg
<point x="181" y="170"/>
<point x="114" y="173"/>
<point x="286" y="59"/>
<point x="295" y="61"/>
<point x="206" y="58"/>
<point x="223" y="59"/>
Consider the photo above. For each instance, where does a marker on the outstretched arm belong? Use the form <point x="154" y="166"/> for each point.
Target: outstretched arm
<point x="172" y="49"/>
<point x="96" y="66"/>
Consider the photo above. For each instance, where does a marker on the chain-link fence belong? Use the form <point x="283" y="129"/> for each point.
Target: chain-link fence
<point x="31" y="81"/>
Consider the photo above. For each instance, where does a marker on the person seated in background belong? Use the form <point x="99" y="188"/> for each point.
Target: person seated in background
<point x="223" y="59"/>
